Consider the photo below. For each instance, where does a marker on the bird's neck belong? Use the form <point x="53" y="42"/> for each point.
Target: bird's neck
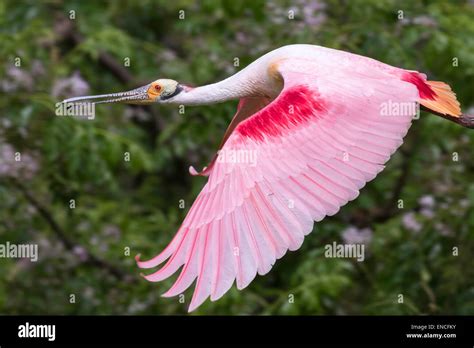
<point x="238" y="86"/>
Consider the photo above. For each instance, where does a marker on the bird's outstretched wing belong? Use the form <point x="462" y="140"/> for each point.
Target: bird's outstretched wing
<point x="296" y="160"/>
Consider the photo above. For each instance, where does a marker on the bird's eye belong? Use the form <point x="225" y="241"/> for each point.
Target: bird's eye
<point x="157" y="88"/>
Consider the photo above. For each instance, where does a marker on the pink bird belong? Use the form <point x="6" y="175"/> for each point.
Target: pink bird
<point x="312" y="127"/>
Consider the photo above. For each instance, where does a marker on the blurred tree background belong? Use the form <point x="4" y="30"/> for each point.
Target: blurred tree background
<point x="55" y="49"/>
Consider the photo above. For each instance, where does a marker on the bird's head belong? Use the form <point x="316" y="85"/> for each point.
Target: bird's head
<point x="163" y="89"/>
<point x="159" y="91"/>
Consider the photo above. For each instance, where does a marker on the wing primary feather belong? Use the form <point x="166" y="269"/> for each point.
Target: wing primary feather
<point x="200" y="294"/>
<point x="251" y="233"/>
<point x="236" y="251"/>
<point x="173" y="263"/>
<point x="184" y="280"/>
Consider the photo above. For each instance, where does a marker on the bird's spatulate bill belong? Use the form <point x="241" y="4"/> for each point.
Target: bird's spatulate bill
<point x="135" y="96"/>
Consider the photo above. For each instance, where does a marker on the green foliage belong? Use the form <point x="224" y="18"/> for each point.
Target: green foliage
<point x="135" y="205"/>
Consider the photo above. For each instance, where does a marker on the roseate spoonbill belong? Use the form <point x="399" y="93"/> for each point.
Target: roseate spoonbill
<point x="321" y="124"/>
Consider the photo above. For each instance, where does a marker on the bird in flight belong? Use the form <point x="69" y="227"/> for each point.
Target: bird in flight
<point x="317" y="124"/>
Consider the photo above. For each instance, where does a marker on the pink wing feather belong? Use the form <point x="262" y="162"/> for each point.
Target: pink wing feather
<point x="316" y="146"/>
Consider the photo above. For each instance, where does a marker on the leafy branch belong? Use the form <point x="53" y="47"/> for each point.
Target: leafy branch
<point x="67" y="242"/>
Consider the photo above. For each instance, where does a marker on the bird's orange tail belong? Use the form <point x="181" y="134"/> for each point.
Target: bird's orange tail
<point x="445" y="101"/>
<point x="435" y="95"/>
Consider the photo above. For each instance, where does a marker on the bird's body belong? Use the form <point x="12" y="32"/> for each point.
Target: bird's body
<point x="318" y="124"/>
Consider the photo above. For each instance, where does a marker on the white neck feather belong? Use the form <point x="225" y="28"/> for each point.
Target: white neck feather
<point x="251" y="81"/>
